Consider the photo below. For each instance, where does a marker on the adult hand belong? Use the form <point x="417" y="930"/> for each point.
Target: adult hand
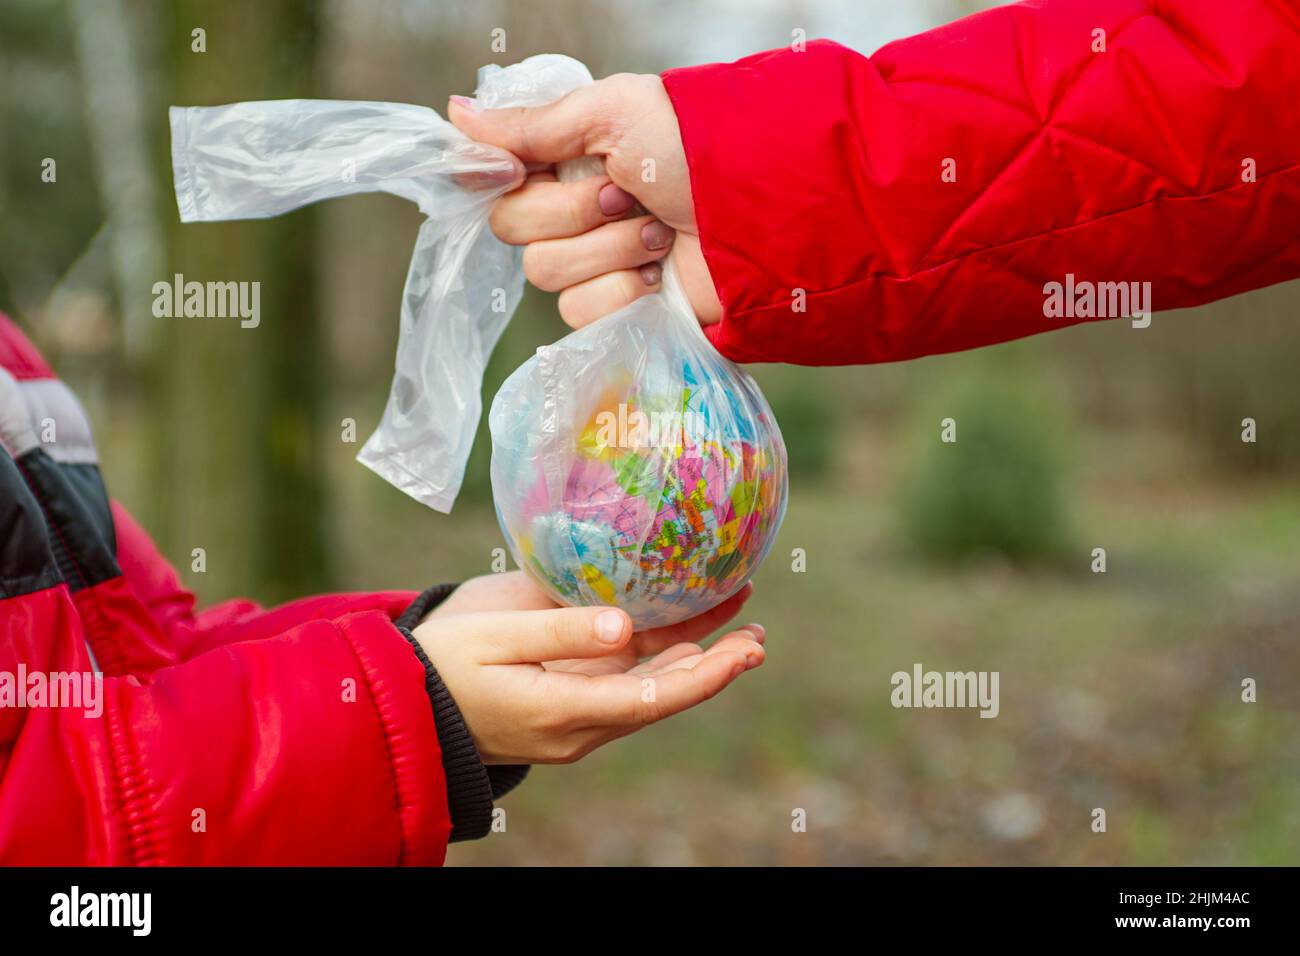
<point x="541" y="684"/>
<point x="579" y="237"/>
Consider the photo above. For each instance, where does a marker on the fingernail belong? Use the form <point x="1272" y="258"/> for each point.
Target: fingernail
<point x="609" y="627"/>
<point x="613" y="200"/>
<point x="503" y="174"/>
<point x="651" y="273"/>
<point x="757" y="631"/>
<point x="656" y="235"/>
<point x="464" y="102"/>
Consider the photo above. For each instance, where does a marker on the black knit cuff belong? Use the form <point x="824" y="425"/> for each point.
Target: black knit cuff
<point x="471" y="787"/>
<point x="424" y="602"/>
<point x="504" y="777"/>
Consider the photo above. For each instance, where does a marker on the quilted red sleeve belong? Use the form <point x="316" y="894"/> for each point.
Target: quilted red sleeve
<point x="314" y="746"/>
<point x="1170" y="156"/>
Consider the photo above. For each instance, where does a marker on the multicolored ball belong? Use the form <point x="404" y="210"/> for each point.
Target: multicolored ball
<point x="655" y="482"/>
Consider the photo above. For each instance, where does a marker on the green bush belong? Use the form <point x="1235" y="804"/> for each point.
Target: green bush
<point x="807" y="419"/>
<point x="998" y="489"/>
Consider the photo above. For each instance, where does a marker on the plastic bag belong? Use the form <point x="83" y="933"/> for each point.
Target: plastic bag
<point x="632" y="465"/>
<point x="255" y="160"/>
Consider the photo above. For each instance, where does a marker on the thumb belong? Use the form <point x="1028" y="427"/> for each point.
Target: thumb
<point x="574" y="125"/>
<point x="560" y="634"/>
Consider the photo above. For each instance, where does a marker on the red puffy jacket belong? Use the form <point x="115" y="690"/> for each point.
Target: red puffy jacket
<point x="313" y="733"/>
<point x="868" y="209"/>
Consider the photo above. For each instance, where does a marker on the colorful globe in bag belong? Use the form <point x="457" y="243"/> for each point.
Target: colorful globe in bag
<point x="644" y="472"/>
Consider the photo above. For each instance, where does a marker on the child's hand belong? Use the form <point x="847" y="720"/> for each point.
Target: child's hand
<point x="516" y="591"/>
<point x="549" y="685"/>
<point x="580" y="242"/>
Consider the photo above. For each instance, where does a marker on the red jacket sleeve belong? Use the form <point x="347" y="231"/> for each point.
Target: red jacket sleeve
<point x="154" y="584"/>
<point x="135" y="731"/>
<point x="314" y="746"/>
<point x="1172" y="157"/>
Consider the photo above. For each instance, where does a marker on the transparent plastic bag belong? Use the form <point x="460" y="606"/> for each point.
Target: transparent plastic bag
<point x="255" y="160"/>
<point x="632" y="465"/>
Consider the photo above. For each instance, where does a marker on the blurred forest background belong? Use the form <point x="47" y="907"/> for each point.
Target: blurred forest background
<point x="1119" y="690"/>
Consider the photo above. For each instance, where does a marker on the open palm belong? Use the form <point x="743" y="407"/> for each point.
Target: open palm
<point x="648" y="653"/>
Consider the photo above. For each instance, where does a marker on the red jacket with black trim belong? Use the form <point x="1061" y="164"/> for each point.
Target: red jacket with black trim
<point x="921" y="200"/>
<point x="303" y="734"/>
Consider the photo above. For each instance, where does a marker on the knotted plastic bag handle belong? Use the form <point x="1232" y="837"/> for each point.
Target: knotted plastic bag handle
<point x="261" y="159"/>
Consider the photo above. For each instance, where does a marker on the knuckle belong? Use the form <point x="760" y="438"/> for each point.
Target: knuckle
<point x="623" y="89"/>
<point x="631" y="248"/>
<point x="646" y="712"/>
<point x="522" y="130"/>
<point x="570" y="308"/>
<point x="629" y="287"/>
<point x="539" y="268"/>
<point x="616" y="107"/>
<point x="578" y="206"/>
<point x="502" y="223"/>
<point x="555" y="631"/>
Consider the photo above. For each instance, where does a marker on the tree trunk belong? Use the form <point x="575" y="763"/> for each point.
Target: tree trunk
<point x="237" y="409"/>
